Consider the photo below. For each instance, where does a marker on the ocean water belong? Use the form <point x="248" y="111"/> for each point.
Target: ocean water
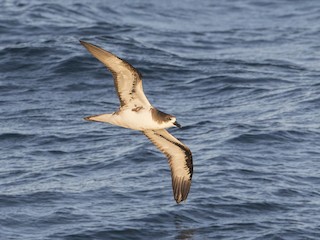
<point x="242" y="77"/>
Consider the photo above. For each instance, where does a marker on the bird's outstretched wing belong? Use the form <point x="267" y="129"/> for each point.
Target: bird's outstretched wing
<point x="179" y="158"/>
<point x="127" y="79"/>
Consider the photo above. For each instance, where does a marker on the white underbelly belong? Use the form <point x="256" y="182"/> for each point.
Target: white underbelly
<point x="141" y="120"/>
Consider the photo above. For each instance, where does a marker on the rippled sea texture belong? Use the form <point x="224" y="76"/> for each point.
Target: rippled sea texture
<point x="242" y="77"/>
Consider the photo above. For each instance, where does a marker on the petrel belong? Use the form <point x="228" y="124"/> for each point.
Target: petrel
<point x="136" y="112"/>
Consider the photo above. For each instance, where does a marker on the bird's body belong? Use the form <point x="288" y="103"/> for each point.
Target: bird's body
<point x="138" y="118"/>
<point x="137" y="113"/>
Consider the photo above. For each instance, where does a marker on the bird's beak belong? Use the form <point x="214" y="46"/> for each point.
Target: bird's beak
<point x="177" y="124"/>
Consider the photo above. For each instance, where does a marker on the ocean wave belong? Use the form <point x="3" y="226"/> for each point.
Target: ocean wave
<point x="272" y="137"/>
<point x="242" y="79"/>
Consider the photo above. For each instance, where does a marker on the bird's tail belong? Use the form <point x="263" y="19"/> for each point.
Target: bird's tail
<point x="106" y="117"/>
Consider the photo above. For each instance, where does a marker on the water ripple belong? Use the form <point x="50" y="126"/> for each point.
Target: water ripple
<point x="242" y="79"/>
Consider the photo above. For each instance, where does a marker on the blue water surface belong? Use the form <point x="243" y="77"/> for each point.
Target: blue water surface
<point x="242" y="77"/>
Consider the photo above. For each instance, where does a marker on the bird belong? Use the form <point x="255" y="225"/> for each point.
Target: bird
<point x="136" y="112"/>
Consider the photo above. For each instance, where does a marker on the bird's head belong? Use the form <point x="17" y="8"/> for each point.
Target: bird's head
<point x="166" y="120"/>
<point x="172" y="119"/>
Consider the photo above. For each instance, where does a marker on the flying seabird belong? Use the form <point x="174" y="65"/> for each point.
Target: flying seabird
<point x="137" y="113"/>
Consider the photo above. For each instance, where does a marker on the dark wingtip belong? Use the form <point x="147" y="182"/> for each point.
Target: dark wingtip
<point x="179" y="201"/>
<point x="181" y="188"/>
<point x="83" y="42"/>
